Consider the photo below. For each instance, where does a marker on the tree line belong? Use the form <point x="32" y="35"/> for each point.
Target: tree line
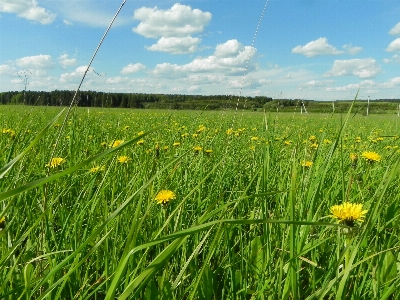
<point x="132" y="100"/>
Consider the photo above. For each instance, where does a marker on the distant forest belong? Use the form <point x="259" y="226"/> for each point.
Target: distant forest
<point x="198" y="102"/>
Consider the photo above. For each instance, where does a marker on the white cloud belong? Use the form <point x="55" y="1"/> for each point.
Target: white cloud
<point x="117" y="80"/>
<point x="206" y="78"/>
<point x="178" y="21"/>
<point x="65" y="61"/>
<point x="194" y="89"/>
<point x="264" y="81"/>
<point x="318" y="47"/>
<point x="228" y="49"/>
<point x="27" y="9"/>
<point x="68" y="23"/>
<point x="394" y="46"/>
<point x="392" y="83"/>
<point x="232" y="65"/>
<point x="350" y="49"/>
<point x="395" y="30"/>
<point x="362" y="68"/>
<point x="132" y="68"/>
<point x="318" y="83"/>
<point x="35" y="62"/>
<point x="176" y="45"/>
<point x="76" y="75"/>
<point x="6" y="70"/>
<point x="395" y="59"/>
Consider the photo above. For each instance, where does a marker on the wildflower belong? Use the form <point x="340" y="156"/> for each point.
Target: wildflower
<point x="312" y="138"/>
<point x="97" y="169"/>
<point x="230" y="131"/>
<point x="185" y="135"/>
<point x="126" y="127"/>
<point x="371" y="156"/>
<point x="314" y="146"/>
<point x="55" y="162"/>
<point x="358" y="139"/>
<point x="140" y="142"/>
<point x="327" y="142"/>
<point x="164" y="196"/>
<point x="254" y="138"/>
<point x="201" y="128"/>
<point x="197" y="149"/>
<point x="306" y="163"/>
<point x="140" y="133"/>
<point x="176" y="144"/>
<point x="3" y="222"/>
<point x="353" y="158"/>
<point x="208" y="151"/>
<point x="165" y="148"/>
<point x="348" y="213"/>
<point x="103" y="144"/>
<point x="287" y="142"/>
<point x="56" y="125"/>
<point x="116" y="143"/>
<point x="123" y="159"/>
<point x="195" y="135"/>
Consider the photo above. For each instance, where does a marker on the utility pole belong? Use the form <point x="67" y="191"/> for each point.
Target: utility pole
<point x="368" y="107"/>
<point x="24" y="76"/>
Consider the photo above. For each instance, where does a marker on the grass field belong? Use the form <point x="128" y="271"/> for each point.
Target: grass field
<point x="246" y="211"/>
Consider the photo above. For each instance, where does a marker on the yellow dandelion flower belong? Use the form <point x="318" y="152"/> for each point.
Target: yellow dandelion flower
<point x="116" y="143"/>
<point x="327" y="142"/>
<point x="140" y="142"/>
<point x="123" y="159"/>
<point x="314" y="146"/>
<point x="104" y="144"/>
<point x="97" y="169"/>
<point x="200" y="129"/>
<point x="3" y="222"/>
<point x="165" y="148"/>
<point x="185" y="135"/>
<point x="208" y="151"/>
<point x="126" y="127"/>
<point x="176" y="144"/>
<point x="306" y="163"/>
<point x="348" y="213"/>
<point x="140" y="133"/>
<point x="287" y="142"/>
<point x="164" y="196"/>
<point x="195" y="135"/>
<point x="371" y="156"/>
<point x="254" y="138"/>
<point x="55" y="162"/>
<point x="312" y="138"/>
<point x="197" y="149"/>
<point x="230" y="131"/>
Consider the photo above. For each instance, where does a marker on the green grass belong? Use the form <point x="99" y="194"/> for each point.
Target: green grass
<point x="249" y="221"/>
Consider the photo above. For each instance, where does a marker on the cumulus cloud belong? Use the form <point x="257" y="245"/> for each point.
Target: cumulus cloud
<point x="395" y="30"/>
<point x="133" y="68"/>
<point x="76" y="75"/>
<point x="6" y="70"/>
<point x="173" y="27"/>
<point x="35" y="62"/>
<point x="353" y="50"/>
<point x="394" y="46"/>
<point x="179" y="20"/>
<point x="232" y="65"/>
<point x="27" y="9"/>
<point x="176" y="45"/>
<point x="65" y="61"/>
<point x="362" y="68"/>
<point x="68" y="23"/>
<point x="318" y="47"/>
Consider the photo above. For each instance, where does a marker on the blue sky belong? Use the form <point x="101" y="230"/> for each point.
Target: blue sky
<point x="303" y="49"/>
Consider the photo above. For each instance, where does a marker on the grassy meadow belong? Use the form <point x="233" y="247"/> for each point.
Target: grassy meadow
<point x="246" y="211"/>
